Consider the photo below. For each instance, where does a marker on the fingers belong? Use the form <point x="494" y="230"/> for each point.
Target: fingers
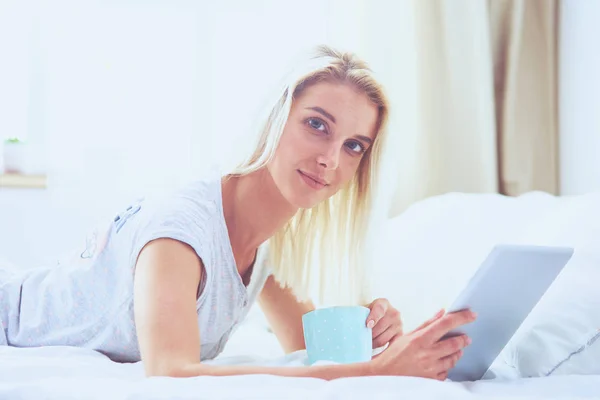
<point x="448" y="322"/>
<point x="382" y="325"/>
<point x="378" y="309"/>
<point x="391" y="318"/>
<point x="447" y="363"/>
<point x="430" y="321"/>
<point x="384" y="337"/>
<point x="449" y="346"/>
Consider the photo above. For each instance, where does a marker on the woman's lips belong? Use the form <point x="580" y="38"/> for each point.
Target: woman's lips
<point x="312" y="181"/>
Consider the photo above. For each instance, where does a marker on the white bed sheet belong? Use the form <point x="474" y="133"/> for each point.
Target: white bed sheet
<point x="71" y="373"/>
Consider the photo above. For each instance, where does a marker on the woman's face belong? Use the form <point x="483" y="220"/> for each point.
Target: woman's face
<point x="329" y="129"/>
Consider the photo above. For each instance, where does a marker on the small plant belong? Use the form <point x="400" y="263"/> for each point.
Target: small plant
<point x="13" y="155"/>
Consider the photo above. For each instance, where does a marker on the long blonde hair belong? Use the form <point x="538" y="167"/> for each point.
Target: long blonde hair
<point x="322" y="252"/>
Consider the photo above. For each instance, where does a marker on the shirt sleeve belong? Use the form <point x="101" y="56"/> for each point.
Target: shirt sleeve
<point x="187" y="219"/>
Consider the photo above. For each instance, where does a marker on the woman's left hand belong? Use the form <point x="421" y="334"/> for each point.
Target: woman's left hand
<point x="385" y="321"/>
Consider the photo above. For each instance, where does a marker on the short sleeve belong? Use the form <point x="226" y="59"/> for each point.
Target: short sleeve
<point x="186" y="216"/>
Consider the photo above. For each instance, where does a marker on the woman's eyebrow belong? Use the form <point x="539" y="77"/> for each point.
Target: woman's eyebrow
<point x="365" y="139"/>
<point x="322" y="112"/>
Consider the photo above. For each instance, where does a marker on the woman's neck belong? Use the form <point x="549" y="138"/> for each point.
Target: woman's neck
<point x="254" y="210"/>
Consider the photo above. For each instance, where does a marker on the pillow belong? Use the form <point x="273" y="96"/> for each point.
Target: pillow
<point x="561" y="334"/>
<point x="427" y="254"/>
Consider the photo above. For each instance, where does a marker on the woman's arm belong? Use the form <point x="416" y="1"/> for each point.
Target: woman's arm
<point x="327" y="372"/>
<point x="284" y="313"/>
<point x="166" y="281"/>
<point x="167" y="275"/>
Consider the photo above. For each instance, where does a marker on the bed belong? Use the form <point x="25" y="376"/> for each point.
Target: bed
<point x="425" y="257"/>
<point x="70" y="373"/>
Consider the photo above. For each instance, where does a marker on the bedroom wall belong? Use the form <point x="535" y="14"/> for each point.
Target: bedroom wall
<point x="106" y="124"/>
<point x="123" y="111"/>
<point x="92" y="136"/>
<point x="101" y="147"/>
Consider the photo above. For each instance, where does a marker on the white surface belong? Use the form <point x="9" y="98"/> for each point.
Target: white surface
<point x="579" y="96"/>
<point x="69" y="373"/>
<point x="560" y="336"/>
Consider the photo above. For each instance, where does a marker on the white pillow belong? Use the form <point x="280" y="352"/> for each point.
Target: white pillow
<point x="427" y="254"/>
<point x="560" y="336"/>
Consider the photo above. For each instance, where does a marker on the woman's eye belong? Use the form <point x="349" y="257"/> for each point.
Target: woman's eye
<point x="317" y="124"/>
<point x="355" y="147"/>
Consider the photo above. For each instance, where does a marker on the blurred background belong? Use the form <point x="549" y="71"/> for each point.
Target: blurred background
<point x="102" y="101"/>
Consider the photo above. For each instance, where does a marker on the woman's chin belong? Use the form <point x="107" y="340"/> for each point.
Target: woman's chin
<point x="305" y="201"/>
<point x="302" y="196"/>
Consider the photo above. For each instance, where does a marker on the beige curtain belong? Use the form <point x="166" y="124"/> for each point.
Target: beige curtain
<point x="524" y="36"/>
<point x="486" y="74"/>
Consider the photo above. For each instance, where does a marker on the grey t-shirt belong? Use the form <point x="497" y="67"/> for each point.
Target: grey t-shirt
<point x="87" y="300"/>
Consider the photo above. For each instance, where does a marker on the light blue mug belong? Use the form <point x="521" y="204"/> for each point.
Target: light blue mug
<point x="339" y="334"/>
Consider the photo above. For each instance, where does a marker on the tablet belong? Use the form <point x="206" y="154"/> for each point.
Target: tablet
<point x="503" y="291"/>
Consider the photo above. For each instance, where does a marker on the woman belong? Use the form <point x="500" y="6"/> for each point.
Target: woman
<point x="169" y="280"/>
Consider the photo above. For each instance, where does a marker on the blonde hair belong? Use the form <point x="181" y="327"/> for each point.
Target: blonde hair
<point x="322" y="252"/>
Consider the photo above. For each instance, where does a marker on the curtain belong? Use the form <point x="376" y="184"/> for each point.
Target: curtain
<point x="524" y="38"/>
<point x="486" y="95"/>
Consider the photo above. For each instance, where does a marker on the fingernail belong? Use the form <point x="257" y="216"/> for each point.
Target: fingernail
<point x="371" y="324"/>
<point x="468" y="341"/>
<point x="473" y="314"/>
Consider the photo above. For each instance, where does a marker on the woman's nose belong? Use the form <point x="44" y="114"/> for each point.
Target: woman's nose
<point x="330" y="157"/>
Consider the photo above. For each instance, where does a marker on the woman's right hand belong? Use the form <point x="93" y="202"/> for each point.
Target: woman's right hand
<point x="422" y="353"/>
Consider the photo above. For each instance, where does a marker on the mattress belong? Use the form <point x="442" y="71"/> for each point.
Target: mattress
<point x="73" y="373"/>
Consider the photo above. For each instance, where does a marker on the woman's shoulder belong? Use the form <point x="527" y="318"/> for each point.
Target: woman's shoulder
<point x="190" y="214"/>
<point x="192" y="206"/>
